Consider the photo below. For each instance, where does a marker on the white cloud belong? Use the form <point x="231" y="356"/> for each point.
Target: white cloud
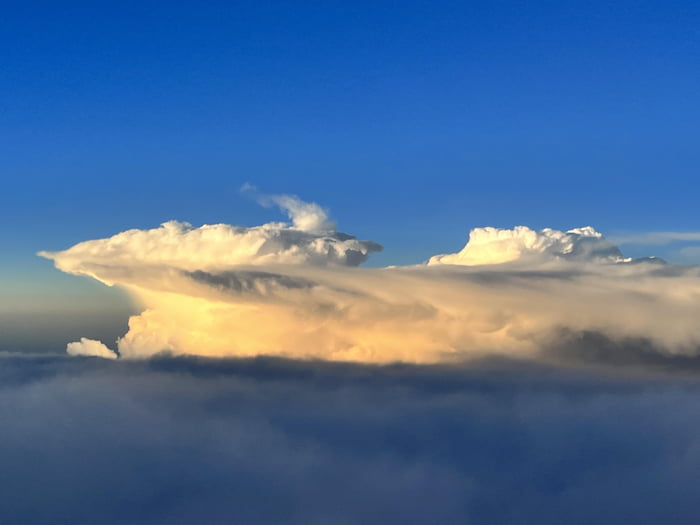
<point x="217" y="246"/>
<point x="90" y="347"/>
<point x="275" y="289"/>
<point x="496" y="245"/>
<point x="305" y="216"/>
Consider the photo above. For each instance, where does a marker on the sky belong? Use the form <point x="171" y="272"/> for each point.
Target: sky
<point x="411" y="120"/>
<point x="349" y="262"/>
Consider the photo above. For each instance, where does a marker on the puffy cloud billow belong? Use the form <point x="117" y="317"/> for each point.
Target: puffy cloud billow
<point x="497" y="245"/>
<point x="90" y="347"/>
<point x="295" y="290"/>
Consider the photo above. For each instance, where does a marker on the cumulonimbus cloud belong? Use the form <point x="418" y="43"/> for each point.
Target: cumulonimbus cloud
<point x="296" y="290"/>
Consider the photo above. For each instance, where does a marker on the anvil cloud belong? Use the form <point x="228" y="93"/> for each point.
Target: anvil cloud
<point x="295" y="290"/>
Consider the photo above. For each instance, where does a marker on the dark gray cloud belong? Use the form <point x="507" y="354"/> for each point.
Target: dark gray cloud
<point x="250" y="282"/>
<point x="180" y="440"/>
<point x="625" y="354"/>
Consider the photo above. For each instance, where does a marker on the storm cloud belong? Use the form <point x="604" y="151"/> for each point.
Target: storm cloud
<point x="294" y="290"/>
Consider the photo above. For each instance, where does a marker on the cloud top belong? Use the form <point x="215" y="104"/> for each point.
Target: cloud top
<point x="310" y="240"/>
<point x="305" y="216"/>
<point x="496" y="245"/>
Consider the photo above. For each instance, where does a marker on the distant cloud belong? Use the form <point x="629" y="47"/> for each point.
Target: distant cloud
<point x="294" y="290"/>
<point x="496" y="245"/>
<point x="90" y="347"/>
<point x="657" y="238"/>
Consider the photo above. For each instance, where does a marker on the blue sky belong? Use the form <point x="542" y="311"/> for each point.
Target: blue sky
<point x="411" y="121"/>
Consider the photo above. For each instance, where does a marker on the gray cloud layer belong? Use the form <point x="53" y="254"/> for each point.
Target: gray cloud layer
<point x="175" y="441"/>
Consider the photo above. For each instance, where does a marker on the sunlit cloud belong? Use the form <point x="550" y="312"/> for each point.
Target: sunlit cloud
<point x="498" y="245"/>
<point x="295" y="290"/>
<point x="90" y="347"/>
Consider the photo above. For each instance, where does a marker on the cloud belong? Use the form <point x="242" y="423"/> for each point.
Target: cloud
<point x="657" y="238"/>
<point x="278" y="289"/>
<point x="496" y="245"/>
<point x="211" y="247"/>
<point x="269" y="441"/>
<point x="305" y="216"/>
<point x="90" y="347"/>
